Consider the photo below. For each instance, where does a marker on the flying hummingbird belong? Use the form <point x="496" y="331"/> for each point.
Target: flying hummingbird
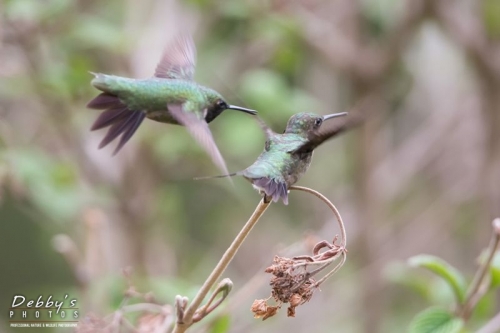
<point x="170" y="96"/>
<point x="286" y="157"/>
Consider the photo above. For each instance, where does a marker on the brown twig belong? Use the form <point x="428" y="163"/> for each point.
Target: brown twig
<point x="476" y="291"/>
<point x="187" y="318"/>
<point x="224" y="287"/>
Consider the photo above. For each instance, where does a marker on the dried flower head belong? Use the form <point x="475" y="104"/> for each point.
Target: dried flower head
<point x="261" y="309"/>
<point x="293" y="281"/>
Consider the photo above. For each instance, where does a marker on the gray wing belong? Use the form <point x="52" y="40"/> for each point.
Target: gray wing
<point x="178" y="60"/>
<point x="267" y="130"/>
<point x="328" y="130"/>
<point x="198" y="128"/>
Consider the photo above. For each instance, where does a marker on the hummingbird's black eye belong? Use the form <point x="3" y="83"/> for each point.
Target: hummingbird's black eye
<point x="221" y="104"/>
<point x="318" y="122"/>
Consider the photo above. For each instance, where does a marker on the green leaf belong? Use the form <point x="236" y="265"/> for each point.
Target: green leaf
<point x="485" y="308"/>
<point x="440" y="267"/>
<point x="435" y="320"/>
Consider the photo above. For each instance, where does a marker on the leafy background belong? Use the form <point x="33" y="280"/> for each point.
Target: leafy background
<point x="421" y="176"/>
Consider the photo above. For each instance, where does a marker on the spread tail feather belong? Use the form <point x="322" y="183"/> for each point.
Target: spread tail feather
<point x="122" y="120"/>
<point x="273" y="190"/>
<point x="104" y="101"/>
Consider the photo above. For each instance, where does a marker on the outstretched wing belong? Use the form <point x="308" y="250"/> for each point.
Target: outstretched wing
<point x="178" y="60"/>
<point x="328" y="130"/>
<point x="267" y="130"/>
<point x="198" y="128"/>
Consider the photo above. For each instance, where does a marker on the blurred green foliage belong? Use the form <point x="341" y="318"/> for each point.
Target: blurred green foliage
<point x="142" y="208"/>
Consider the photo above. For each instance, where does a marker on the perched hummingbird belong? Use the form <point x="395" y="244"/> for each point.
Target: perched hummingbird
<point x="286" y="157"/>
<point x="170" y="96"/>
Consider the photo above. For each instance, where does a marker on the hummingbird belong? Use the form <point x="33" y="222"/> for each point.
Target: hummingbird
<point x="170" y="96"/>
<point x="286" y="157"/>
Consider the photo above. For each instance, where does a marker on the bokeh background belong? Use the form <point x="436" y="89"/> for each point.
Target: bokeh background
<point x="422" y="174"/>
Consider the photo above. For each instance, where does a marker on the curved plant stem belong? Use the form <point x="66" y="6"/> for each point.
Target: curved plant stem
<point x="220" y="268"/>
<point x="343" y="241"/>
<point x="333" y="271"/>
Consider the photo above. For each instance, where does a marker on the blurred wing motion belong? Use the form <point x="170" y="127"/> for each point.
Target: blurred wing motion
<point x="328" y="130"/>
<point x="267" y="130"/>
<point x="198" y="128"/>
<point x="178" y="60"/>
<point x="122" y="120"/>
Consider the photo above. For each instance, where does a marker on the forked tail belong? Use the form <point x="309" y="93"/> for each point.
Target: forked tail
<point x="122" y="120"/>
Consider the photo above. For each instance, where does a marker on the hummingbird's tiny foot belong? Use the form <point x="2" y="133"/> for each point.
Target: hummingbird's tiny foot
<point x="267" y="199"/>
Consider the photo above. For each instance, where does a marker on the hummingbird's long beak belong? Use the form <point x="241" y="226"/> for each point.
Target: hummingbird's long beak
<point x="239" y="108"/>
<point x="334" y="115"/>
